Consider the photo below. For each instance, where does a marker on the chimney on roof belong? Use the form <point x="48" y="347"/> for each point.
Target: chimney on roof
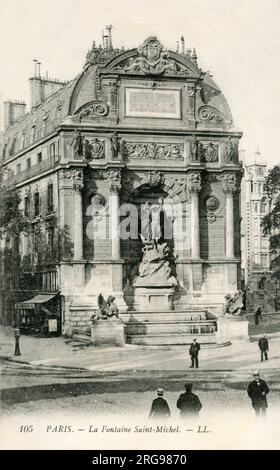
<point x="41" y="87"/>
<point x="109" y="30"/>
<point x="12" y="110"/>
<point x="182" y="45"/>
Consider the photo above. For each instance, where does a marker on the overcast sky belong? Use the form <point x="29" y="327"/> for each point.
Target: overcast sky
<point x="238" y="41"/>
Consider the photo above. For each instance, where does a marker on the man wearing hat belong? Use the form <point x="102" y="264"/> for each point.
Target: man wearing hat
<point x="188" y="403"/>
<point x="160" y="408"/>
<point x="193" y="352"/>
<point x="263" y="345"/>
<point x="257" y="391"/>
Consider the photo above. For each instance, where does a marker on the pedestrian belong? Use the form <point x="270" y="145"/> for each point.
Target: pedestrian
<point x="263" y="345"/>
<point x="258" y="315"/>
<point x="188" y="403"/>
<point x="257" y="391"/>
<point x="160" y="408"/>
<point x="193" y="352"/>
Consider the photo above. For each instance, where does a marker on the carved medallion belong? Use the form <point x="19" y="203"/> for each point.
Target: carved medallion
<point x="213" y="207"/>
<point x="208" y="152"/>
<point x="94" y="149"/>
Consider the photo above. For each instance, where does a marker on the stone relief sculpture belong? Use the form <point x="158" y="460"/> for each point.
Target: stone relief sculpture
<point x="208" y="113"/>
<point x="155" y="267"/>
<point x="153" y="59"/>
<point x="229" y="151"/>
<point x="94" y="149"/>
<point x="208" y="152"/>
<point x="153" y="151"/>
<point x="77" y="144"/>
<point x="116" y="145"/>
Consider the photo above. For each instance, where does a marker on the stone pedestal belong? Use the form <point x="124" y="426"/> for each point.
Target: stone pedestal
<point x="232" y="329"/>
<point x="108" y="333"/>
<point x="153" y="297"/>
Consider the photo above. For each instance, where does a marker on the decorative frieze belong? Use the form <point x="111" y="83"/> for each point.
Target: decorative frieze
<point x="153" y="151"/>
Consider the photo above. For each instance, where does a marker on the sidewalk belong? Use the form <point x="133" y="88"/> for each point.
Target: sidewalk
<point x="63" y="352"/>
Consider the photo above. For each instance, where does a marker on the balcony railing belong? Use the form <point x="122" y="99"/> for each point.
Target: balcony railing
<point x="34" y="170"/>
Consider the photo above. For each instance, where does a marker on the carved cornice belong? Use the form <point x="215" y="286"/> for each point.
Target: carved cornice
<point x="71" y="178"/>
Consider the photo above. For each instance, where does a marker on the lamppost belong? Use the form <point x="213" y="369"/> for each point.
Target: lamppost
<point x="17" y="336"/>
<point x="276" y="295"/>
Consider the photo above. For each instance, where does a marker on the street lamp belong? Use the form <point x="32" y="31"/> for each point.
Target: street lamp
<point x="17" y="336"/>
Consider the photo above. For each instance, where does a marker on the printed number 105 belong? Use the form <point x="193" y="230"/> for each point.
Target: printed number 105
<point x="26" y="428"/>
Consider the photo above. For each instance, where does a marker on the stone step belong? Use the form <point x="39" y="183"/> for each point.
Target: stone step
<point x="169" y="328"/>
<point x="171" y="315"/>
<point x="169" y="339"/>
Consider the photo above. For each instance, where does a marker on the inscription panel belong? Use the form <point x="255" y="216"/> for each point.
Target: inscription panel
<point x="144" y="102"/>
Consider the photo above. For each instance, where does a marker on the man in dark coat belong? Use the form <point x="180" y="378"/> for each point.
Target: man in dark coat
<point x="257" y="391"/>
<point x="263" y="345"/>
<point x="193" y="351"/>
<point x="160" y="408"/>
<point x="188" y="403"/>
<point x="258" y="315"/>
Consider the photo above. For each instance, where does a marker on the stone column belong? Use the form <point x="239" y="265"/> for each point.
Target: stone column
<point x="115" y="186"/>
<point x="194" y="186"/>
<point x="78" y="217"/>
<point x="229" y="188"/>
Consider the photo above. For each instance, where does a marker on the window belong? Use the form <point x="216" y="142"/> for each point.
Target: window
<point x="32" y="136"/>
<point x="264" y="243"/>
<point x="23" y="140"/>
<point x="264" y="261"/>
<point x="52" y="149"/>
<point x="260" y="172"/>
<point x="27" y="206"/>
<point x="28" y="163"/>
<point x="13" y="147"/>
<point x="50" y="234"/>
<point x="39" y="157"/>
<point x="50" y="198"/>
<point x="263" y="207"/>
<point x="256" y="207"/>
<point x="18" y="168"/>
<point x="252" y="187"/>
<point x="36" y="204"/>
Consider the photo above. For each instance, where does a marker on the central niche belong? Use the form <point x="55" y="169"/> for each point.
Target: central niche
<point x="154" y="229"/>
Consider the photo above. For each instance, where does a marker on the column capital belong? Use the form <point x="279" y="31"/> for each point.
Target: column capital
<point x="71" y="178"/>
<point x="114" y="178"/>
<point x="194" y="182"/>
<point x="229" y="183"/>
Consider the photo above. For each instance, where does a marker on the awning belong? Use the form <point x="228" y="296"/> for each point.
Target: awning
<point x="38" y="299"/>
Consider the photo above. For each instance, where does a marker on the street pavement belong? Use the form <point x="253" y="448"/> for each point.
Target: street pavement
<point x="57" y="380"/>
<point x="62" y="352"/>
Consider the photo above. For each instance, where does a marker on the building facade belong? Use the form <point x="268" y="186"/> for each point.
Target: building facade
<point x="256" y="257"/>
<point x="143" y="128"/>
